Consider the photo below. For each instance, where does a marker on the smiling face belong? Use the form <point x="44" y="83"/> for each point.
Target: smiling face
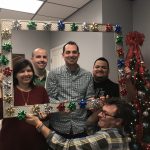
<point x="39" y="58"/>
<point x="24" y="76"/>
<point x="107" y="117"/>
<point x="100" y="70"/>
<point x="70" y="54"/>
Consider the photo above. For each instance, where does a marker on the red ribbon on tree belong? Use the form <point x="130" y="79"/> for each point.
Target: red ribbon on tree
<point x="134" y="40"/>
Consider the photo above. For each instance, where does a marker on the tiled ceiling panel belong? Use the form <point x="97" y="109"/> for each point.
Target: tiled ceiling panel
<point x="10" y="14"/>
<point x="51" y="10"/>
<point x="73" y="3"/>
<point x="54" y="10"/>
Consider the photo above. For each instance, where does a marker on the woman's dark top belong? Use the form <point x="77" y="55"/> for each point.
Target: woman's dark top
<point x="18" y="135"/>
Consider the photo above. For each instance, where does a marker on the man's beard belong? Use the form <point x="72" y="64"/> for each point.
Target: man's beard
<point x="100" y="79"/>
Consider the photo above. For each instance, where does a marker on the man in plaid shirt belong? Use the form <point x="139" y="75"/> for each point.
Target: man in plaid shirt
<point x="114" y="116"/>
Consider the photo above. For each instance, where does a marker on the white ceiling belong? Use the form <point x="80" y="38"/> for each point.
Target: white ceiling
<point x="51" y="10"/>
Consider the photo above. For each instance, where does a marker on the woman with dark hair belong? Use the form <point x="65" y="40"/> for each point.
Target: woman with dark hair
<point x="19" y="66"/>
<point x="16" y="134"/>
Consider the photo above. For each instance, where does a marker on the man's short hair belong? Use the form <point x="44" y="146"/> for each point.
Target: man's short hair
<point x="102" y="59"/>
<point x="124" y="110"/>
<point x="71" y="43"/>
<point x="36" y="50"/>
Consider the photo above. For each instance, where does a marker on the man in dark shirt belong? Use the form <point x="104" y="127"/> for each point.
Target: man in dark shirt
<point x="103" y="86"/>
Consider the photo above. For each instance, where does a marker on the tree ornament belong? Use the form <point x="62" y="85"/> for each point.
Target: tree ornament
<point x="6" y="34"/>
<point x="109" y="28"/>
<point x="85" y="27"/>
<point x="10" y="111"/>
<point x="117" y="28"/>
<point x="141" y="94"/>
<point x="47" y="26"/>
<point x="16" y="25"/>
<point x="83" y="103"/>
<point x="61" y="25"/>
<point x="36" y="109"/>
<point x="145" y="125"/>
<point x="72" y="106"/>
<point x="94" y="27"/>
<point x="8" y="98"/>
<point x="7" y="71"/>
<point x="74" y="27"/>
<point x="31" y="25"/>
<point x="145" y="114"/>
<point x="61" y="107"/>
<point x="7" y="47"/>
<point x="3" y="60"/>
<point x="21" y="115"/>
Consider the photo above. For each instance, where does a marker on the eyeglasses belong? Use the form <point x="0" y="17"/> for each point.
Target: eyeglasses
<point x="104" y="114"/>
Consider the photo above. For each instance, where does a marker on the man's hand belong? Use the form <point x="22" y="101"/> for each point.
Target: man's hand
<point x="35" y="120"/>
<point x="31" y="119"/>
<point x="103" y="99"/>
<point x="127" y="72"/>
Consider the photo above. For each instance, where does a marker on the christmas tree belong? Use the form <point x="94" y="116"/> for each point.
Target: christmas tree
<point x="140" y="77"/>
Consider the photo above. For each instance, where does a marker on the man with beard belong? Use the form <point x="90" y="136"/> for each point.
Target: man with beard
<point x="103" y="86"/>
<point x="69" y="83"/>
<point x="39" y="60"/>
